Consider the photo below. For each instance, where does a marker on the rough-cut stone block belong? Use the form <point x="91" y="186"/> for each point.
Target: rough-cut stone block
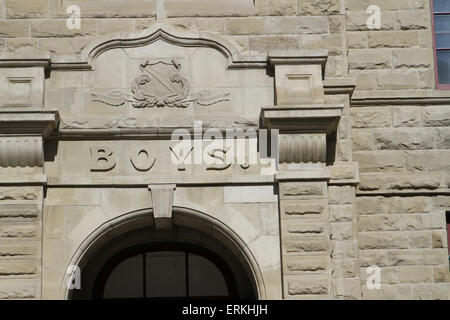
<point x="341" y="230"/>
<point x="276" y="7"/>
<point x="357" y="40"/>
<point x="347" y="288"/>
<point x="380" y="161"/>
<point x="441" y="202"/>
<point x="22" y="46"/>
<point x="333" y="43"/>
<point x="408" y="204"/>
<point x="294" y="190"/>
<point x="295" y="265"/>
<point x="415" y="274"/>
<point x="414" y="181"/>
<point x="370" y="59"/>
<point x="305" y="229"/>
<point x="392" y="39"/>
<point x="345" y="267"/>
<point x="436" y="116"/>
<point x="414" y="19"/>
<point x="362" y="139"/>
<point x="27" y="9"/>
<point x="357" y="21"/>
<point x="404" y="139"/>
<point x="387" y="275"/>
<point x="115" y="25"/>
<point x="303" y="208"/>
<point x="19" y="268"/>
<point x="306" y="245"/>
<point x="386" y="292"/>
<point x="23" y="231"/>
<point x="267" y="43"/>
<point x="372" y="181"/>
<point x="441" y="274"/>
<point x="248" y="26"/>
<point x="398" y="79"/>
<point x="443" y="138"/>
<point x="307" y="285"/>
<point x="439" y="291"/>
<point x="341" y="213"/>
<point x="397" y="222"/>
<point x="412" y="257"/>
<point x="319" y="7"/>
<point x="14" y="29"/>
<point x="407" y="116"/>
<point x="412" y="58"/>
<point x="299" y="25"/>
<point x="383" y="240"/>
<point x="439" y="238"/>
<point x="365" y="79"/>
<point x="19" y="289"/>
<point x="347" y="249"/>
<point x="372" y="117"/>
<point x="432" y="160"/>
<point x="58" y="28"/>
<point x="341" y="194"/>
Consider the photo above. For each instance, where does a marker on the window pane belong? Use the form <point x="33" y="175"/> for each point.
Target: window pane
<point x="166" y="274"/>
<point x="441" y="5"/>
<point x="205" y="279"/>
<point x="443" y="63"/>
<point x="442" y="40"/>
<point x="126" y="280"/>
<point x="442" y="22"/>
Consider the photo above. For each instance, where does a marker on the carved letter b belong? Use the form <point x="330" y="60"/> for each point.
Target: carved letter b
<point x="101" y="159"/>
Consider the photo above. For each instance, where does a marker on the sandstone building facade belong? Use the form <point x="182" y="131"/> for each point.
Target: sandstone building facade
<point x="355" y="191"/>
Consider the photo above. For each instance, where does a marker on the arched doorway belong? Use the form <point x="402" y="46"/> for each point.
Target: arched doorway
<point x="138" y="261"/>
<point x="165" y="271"/>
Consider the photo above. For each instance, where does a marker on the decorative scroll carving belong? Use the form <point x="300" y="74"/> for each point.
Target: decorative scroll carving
<point x="21" y="152"/>
<point x="160" y="85"/>
<point x="302" y="148"/>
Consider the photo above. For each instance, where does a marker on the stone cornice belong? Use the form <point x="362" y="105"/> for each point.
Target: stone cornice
<point x="298" y="57"/>
<point x="18" y="121"/>
<point x="333" y="86"/>
<point x="320" y="118"/>
<point x="9" y="60"/>
<point x="400" y="97"/>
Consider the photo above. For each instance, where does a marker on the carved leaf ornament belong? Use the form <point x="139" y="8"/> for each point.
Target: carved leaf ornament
<point x="160" y="85"/>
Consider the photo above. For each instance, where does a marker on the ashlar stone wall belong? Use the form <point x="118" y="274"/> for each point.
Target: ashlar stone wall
<point x="395" y="127"/>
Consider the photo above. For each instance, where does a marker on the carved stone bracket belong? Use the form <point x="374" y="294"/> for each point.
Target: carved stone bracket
<point x="306" y="132"/>
<point x="162" y="199"/>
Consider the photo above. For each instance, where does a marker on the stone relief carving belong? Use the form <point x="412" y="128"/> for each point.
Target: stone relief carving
<point x="160" y="85"/>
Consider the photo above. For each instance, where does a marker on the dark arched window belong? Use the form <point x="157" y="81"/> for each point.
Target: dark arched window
<point x="170" y="271"/>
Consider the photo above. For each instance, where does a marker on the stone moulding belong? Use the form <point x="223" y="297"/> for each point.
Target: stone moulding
<point x="28" y="122"/>
<point x="157" y="32"/>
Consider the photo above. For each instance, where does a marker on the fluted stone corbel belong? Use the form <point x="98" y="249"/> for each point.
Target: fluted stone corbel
<point x="162" y="200"/>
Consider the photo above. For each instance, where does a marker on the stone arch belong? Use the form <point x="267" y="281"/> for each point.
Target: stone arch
<point x="185" y="218"/>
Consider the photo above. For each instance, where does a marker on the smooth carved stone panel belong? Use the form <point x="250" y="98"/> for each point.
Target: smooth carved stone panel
<point x="159" y="85"/>
<point x="144" y="159"/>
<point x="22" y="87"/>
<point x="299" y="84"/>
